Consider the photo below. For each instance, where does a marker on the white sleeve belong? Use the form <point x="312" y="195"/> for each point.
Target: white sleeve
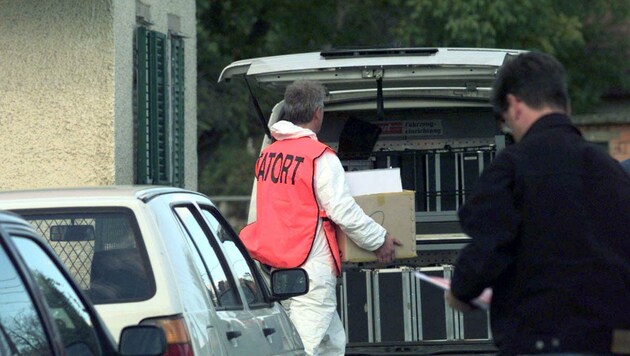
<point x="333" y="195"/>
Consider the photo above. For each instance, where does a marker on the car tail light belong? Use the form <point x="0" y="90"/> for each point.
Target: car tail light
<point x="177" y="337"/>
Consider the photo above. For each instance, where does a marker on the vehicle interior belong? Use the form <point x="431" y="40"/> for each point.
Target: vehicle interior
<point x="429" y="137"/>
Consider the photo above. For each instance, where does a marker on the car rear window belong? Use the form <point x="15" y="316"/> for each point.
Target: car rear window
<point x="102" y="249"/>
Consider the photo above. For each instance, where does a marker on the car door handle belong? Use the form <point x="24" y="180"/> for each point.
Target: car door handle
<point x="233" y="334"/>
<point x="268" y="331"/>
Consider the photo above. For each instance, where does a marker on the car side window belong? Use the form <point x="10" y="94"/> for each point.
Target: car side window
<point x="208" y="261"/>
<point x="205" y="276"/>
<point x="21" y="329"/>
<point x="242" y="269"/>
<point x="68" y="311"/>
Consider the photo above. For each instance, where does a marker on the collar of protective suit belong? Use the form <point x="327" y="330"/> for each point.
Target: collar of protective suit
<point x="283" y="130"/>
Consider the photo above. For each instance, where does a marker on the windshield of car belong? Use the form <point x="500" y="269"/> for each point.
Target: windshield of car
<point x="21" y="329"/>
<point x="66" y="308"/>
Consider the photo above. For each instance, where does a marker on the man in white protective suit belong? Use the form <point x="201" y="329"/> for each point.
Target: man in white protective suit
<point x="301" y="194"/>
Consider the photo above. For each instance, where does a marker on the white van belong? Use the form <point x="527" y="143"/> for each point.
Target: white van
<point x="165" y="256"/>
<point x="427" y="112"/>
<point x="381" y="102"/>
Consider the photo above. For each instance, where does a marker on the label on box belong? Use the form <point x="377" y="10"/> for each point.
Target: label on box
<point x="374" y="181"/>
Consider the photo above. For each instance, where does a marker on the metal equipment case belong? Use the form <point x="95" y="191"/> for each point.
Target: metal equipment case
<point x="354" y="304"/>
<point x="392" y="305"/>
<point x="441" y="178"/>
<point x="440" y="322"/>
<point x="395" y="305"/>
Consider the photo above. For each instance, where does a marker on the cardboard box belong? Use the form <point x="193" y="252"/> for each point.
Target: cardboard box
<point x="396" y="212"/>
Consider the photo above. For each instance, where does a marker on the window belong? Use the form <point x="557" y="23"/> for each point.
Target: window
<point x="159" y="107"/>
<point x="21" y="329"/>
<point x="69" y="313"/>
<point x="102" y="249"/>
<point x="245" y="273"/>
<point x="213" y="269"/>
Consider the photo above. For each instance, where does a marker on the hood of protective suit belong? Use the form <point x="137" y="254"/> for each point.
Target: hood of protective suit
<point x="283" y="130"/>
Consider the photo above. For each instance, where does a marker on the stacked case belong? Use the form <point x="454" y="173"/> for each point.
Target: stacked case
<point x="391" y="305"/>
<point x="441" y="178"/>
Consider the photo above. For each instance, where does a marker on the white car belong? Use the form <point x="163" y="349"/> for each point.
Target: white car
<point x="165" y="256"/>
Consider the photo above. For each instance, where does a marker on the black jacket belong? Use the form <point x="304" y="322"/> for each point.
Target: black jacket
<point x="550" y="227"/>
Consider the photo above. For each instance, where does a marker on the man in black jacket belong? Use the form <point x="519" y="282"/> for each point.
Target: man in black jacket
<point x="550" y="226"/>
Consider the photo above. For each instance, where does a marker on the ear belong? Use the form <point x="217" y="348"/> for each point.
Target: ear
<point x="511" y="99"/>
<point x="514" y="105"/>
<point x="316" y="113"/>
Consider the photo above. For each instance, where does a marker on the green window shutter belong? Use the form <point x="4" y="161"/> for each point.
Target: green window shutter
<point x="143" y="174"/>
<point x="158" y="94"/>
<point x="152" y="135"/>
<point x="159" y="108"/>
<point x="177" y="102"/>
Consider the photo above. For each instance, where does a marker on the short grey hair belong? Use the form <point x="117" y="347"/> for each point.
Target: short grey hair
<point x="301" y="99"/>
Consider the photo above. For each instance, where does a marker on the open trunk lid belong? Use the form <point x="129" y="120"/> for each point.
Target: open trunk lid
<point x="404" y="70"/>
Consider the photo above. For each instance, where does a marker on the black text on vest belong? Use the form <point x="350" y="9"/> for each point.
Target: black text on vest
<point x="277" y="167"/>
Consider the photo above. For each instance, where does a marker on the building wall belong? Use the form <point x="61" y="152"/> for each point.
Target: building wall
<point x="620" y="147"/>
<point x="617" y="136"/>
<point x="66" y="90"/>
<point x="56" y="93"/>
<point x="124" y="23"/>
<point x="609" y="124"/>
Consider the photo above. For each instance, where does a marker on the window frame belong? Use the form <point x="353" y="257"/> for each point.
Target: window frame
<point x="32" y="289"/>
<point x="72" y="287"/>
<point x="215" y="247"/>
<point x="52" y="333"/>
<point x="262" y="284"/>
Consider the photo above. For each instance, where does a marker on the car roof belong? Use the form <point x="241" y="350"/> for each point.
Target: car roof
<point x="11" y="218"/>
<point x="343" y="70"/>
<point x="144" y="193"/>
<point x="14" y="222"/>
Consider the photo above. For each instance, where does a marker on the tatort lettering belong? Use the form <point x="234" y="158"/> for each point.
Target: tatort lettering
<point x="278" y="167"/>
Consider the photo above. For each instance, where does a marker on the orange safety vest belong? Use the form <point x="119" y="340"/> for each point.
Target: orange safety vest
<point x="287" y="212"/>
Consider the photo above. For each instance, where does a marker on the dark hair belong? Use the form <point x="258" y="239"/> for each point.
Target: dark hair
<point x="536" y="78"/>
<point x="301" y="99"/>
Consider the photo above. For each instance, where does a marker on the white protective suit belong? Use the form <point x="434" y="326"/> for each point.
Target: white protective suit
<point x="315" y="313"/>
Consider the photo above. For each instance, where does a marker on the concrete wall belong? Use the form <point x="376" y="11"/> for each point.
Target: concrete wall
<point x="124" y="26"/>
<point x="66" y="90"/>
<point x="56" y="93"/>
